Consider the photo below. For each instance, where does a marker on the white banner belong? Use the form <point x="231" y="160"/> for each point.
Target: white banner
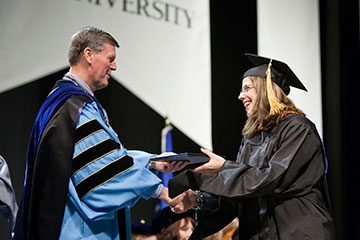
<point x="164" y="57"/>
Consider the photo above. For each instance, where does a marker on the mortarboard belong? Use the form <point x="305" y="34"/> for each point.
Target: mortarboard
<point x="166" y="217"/>
<point x="281" y="73"/>
<point x="141" y="227"/>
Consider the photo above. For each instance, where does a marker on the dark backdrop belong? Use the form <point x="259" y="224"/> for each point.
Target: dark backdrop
<point x="233" y="32"/>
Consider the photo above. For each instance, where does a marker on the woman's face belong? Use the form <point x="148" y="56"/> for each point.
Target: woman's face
<point x="248" y="96"/>
<point x="186" y="227"/>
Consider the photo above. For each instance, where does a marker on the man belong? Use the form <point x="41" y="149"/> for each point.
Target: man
<point x="80" y="180"/>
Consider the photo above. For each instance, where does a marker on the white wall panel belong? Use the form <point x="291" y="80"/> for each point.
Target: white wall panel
<point x="288" y="30"/>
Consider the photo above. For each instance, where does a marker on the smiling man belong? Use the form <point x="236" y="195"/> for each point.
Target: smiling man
<point x="80" y="180"/>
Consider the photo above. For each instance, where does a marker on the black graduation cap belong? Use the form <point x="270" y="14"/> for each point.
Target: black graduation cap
<point x="141" y="227"/>
<point x="166" y="217"/>
<point x="281" y="74"/>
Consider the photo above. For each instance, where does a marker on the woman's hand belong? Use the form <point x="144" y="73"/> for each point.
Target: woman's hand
<point x="213" y="165"/>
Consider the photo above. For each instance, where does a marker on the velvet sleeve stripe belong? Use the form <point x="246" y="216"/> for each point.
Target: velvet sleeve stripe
<point x="93" y="153"/>
<point x="87" y="129"/>
<point x="104" y="175"/>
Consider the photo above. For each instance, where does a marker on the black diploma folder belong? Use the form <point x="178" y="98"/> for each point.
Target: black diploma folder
<point x="193" y="158"/>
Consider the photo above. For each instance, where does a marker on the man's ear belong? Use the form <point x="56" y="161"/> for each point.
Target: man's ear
<point x="88" y="54"/>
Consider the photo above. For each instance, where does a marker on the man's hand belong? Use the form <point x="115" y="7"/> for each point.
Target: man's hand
<point x="180" y="203"/>
<point x="183" y="202"/>
<point x="168" y="166"/>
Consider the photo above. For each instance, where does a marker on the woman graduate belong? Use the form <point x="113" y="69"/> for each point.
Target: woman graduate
<point x="277" y="185"/>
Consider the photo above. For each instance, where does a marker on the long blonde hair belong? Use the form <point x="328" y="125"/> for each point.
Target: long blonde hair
<point x="261" y="119"/>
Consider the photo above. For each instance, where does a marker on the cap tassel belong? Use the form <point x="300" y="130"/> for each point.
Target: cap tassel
<point x="275" y="105"/>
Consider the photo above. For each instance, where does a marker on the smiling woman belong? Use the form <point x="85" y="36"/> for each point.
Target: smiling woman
<point x="248" y="97"/>
<point x="277" y="186"/>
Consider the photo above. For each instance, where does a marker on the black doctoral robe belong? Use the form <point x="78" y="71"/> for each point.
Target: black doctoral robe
<point x="48" y="164"/>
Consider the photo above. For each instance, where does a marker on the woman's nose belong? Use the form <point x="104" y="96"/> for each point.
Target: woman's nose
<point x="241" y="96"/>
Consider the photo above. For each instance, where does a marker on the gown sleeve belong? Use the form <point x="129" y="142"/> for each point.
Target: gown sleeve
<point x="105" y="175"/>
<point x="287" y="162"/>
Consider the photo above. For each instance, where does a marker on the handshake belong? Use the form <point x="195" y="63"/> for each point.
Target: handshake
<point x="183" y="192"/>
<point x="185" y="201"/>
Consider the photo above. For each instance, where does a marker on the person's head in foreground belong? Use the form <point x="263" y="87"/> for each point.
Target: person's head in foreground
<point x="141" y="230"/>
<point x="172" y="226"/>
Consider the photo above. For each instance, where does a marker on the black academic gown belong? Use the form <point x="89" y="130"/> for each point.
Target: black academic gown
<point x="48" y="164"/>
<point x="277" y="186"/>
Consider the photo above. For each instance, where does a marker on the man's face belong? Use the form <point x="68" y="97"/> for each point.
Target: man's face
<point x="102" y="64"/>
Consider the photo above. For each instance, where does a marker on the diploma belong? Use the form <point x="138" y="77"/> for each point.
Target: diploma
<point x="192" y="158"/>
